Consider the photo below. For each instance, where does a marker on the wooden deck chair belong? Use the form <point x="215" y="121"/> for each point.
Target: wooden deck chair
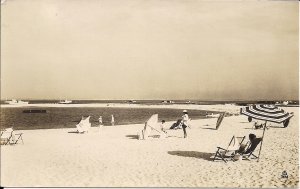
<point x="220" y="119"/>
<point x="228" y="153"/>
<point x="249" y="153"/>
<point x="8" y="136"/>
<point x="18" y="136"/>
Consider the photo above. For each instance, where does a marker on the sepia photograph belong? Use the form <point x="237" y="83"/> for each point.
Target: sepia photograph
<point x="149" y="93"/>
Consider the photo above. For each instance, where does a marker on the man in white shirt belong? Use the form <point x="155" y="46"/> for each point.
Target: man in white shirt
<point x="185" y="119"/>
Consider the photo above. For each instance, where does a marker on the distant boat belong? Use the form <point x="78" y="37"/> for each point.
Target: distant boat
<point x="189" y="102"/>
<point x="285" y="103"/>
<point x="65" y="102"/>
<point x="131" y="101"/>
<point x="167" y="102"/>
<point x="16" y="102"/>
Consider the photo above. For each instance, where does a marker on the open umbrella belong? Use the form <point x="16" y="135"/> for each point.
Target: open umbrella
<point x="266" y="113"/>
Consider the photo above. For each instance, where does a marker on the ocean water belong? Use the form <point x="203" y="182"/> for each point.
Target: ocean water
<point x="68" y="117"/>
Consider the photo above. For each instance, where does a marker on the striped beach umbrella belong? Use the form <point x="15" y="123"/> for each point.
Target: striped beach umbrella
<point x="266" y="113"/>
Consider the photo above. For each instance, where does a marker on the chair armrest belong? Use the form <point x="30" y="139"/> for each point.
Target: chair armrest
<point x="221" y="148"/>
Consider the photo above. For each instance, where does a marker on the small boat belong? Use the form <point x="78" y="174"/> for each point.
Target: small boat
<point x="189" y="102"/>
<point x="35" y="111"/>
<point x="131" y="101"/>
<point x="65" y="102"/>
<point x="16" y="102"/>
<point x="168" y="102"/>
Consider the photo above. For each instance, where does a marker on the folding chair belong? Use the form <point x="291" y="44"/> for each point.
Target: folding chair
<point x="251" y="148"/>
<point x="8" y="136"/>
<point x="228" y="153"/>
<point x="18" y="136"/>
<point x="84" y="125"/>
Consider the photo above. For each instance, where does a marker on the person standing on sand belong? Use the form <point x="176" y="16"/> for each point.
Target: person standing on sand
<point x="100" y="123"/>
<point x="112" y="120"/>
<point x="185" y="119"/>
<point x="100" y="120"/>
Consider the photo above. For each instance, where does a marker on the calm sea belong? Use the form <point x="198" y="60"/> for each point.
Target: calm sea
<point x="68" y="117"/>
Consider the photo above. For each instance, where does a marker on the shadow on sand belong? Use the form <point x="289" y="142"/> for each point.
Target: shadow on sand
<point x="150" y="136"/>
<point x="76" y="132"/>
<point x="133" y="136"/>
<point x="209" y="128"/>
<point x="277" y="127"/>
<point x="266" y="128"/>
<point x="170" y="136"/>
<point x="194" y="154"/>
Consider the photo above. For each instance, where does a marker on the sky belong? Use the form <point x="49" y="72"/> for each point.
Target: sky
<point x="149" y="49"/>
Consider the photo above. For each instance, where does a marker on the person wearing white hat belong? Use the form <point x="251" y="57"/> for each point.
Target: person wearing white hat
<point x="185" y="119"/>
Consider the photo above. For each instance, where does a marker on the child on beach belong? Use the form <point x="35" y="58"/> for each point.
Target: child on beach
<point x="162" y="126"/>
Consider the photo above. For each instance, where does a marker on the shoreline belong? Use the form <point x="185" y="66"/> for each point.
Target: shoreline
<point x="230" y="108"/>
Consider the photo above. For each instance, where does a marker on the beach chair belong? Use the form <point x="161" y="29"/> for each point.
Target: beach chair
<point x="18" y="136"/>
<point x="84" y="125"/>
<point x="220" y="119"/>
<point x="249" y="152"/>
<point x="8" y="136"/>
<point x="229" y="153"/>
<point x="150" y="125"/>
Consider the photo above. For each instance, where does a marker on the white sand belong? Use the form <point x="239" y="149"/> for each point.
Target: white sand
<point x="114" y="157"/>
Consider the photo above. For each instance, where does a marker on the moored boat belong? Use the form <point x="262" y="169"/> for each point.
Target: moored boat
<point x="65" y="102"/>
<point x="16" y="102"/>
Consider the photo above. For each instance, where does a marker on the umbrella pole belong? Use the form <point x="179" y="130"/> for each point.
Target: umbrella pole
<point x="262" y="140"/>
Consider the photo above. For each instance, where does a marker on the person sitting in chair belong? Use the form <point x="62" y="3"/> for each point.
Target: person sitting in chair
<point x="162" y="126"/>
<point x="253" y="143"/>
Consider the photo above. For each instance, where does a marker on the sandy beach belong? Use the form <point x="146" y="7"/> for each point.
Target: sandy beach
<point x="114" y="157"/>
<point x="67" y="66"/>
